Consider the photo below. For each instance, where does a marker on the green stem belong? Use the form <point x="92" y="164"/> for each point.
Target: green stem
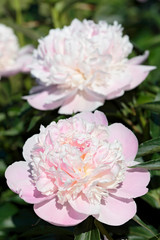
<point x="19" y="20"/>
<point x="55" y="17"/>
<point x="139" y="221"/>
<point x="102" y="229"/>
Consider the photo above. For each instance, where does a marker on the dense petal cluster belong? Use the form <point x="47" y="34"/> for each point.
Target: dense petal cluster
<point x="12" y="58"/>
<point x="79" y="167"/>
<point x="81" y="65"/>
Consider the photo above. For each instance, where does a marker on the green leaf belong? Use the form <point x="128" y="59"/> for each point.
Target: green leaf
<point x="33" y="122"/>
<point x="149" y="147"/>
<point x="151" y="232"/>
<point x="7" y="210"/>
<point x="87" y="230"/>
<point x="157" y="237"/>
<point x="150" y="165"/>
<point x="152" y="197"/>
<point x="90" y="235"/>
<point x="152" y="106"/>
<point x="154" y="125"/>
<point x="139" y="233"/>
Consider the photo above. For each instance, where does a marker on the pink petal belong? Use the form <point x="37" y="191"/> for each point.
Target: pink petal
<point x="115" y="94"/>
<point x="82" y="205"/>
<point x="116" y="87"/>
<point x="55" y="96"/>
<point x="25" y="50"/>
<point x="28" y="146"/>
<point x="134" y="184"/>
<point x="116" y="211"/>
<point x="96" y="117"/>
<point x="57" y="214"/>
<point x="20" y="182"/>
<point x="139" y="73"/>
<point x="38" y="101"/>
<point x="10" y="71"/>
<point x="139" y="59"/>
<point x="22" y="63"/>
<point x="25" y="58"/>
<point x="80" y="102"/>
<point x="129" y="142"/>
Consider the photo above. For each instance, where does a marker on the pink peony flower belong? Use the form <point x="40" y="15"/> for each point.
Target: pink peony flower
<point x="81" y="65"/>
<point x="80" y="167"/>
<point x="12" y="58"/>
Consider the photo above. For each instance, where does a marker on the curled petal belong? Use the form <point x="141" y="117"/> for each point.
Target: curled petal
<point x="28" y="147"/>
<point x="126" y="137"/>
<point x="139" y="59"/>
<point x="139" y="73"/>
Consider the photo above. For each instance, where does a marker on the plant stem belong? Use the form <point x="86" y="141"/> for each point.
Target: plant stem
<point x="19" y="20"/>
<point x="55" y="17"/>
<point x="102" y="229"/>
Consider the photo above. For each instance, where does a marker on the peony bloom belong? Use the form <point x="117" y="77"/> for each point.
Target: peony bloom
<point x="12" y="58"/>
<point x="81" y="65"/>
<point x="80" y="167"/>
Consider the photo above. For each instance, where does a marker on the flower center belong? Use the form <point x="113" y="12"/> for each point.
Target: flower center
<point x="73" y="157"/>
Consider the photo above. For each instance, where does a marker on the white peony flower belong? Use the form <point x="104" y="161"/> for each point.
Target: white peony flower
<point x="81" y="65"/>
<point x="12" y="58"/>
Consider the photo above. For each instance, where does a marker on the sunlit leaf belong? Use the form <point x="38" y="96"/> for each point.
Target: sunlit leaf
<point x="152" y="106"/>
<point x="149" y="147"/>
<point x="151" y="232"/>
<point x="87" y="230"/>
<point x="150" y="165"/>
<point x="33" y="122"/>
<point x="153" y="198"/>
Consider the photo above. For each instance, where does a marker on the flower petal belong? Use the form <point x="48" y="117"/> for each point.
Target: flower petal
<point x="10" y="72"/>
<point x="80" y="102"/>
<point x="139" y="59"/>
<point x="82" y="205"/>
<point x="24" y="58"/>
<point x="138" y="178"/>
<point x="39" y="101"/>
<point x="96" y="117"/>
<point x="20" y="182"/>
<point x="49" y="98"/>
<point x="116" y="211"/>
<point x="139" y="73"/>
<point x="57" y="214"/>
<point x="28" y="146"/>
<point x="129" y="142"/>
<point x="26" y="50"/>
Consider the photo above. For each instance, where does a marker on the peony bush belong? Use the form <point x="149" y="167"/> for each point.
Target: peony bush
<point x="84" y="176"/>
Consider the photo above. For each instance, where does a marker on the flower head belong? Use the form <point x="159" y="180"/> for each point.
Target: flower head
<point x="12" y="58"/>
<point x="81" y="65"/>
<point x="80" y="167"/>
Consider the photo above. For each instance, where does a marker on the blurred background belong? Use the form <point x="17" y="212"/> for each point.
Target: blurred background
<point x="31" y="20"/>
